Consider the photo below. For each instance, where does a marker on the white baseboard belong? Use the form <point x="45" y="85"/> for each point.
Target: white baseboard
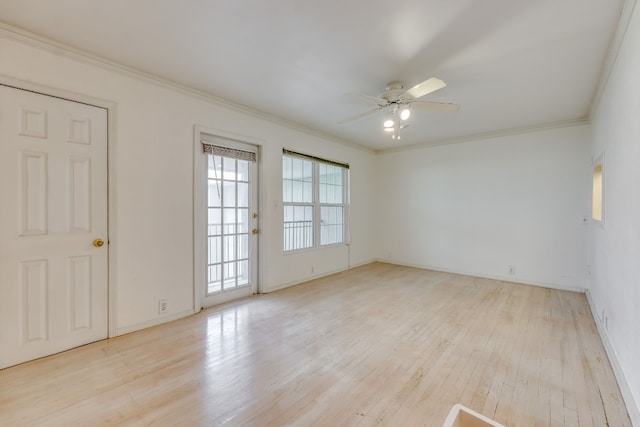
<point x="314" y="277"/>
<point x="511" y="279"/>
<point x="360" y="264"/>
<point x="632" y="407"/>
<point x="154" y="322"/>
<point x="175" y="316"/>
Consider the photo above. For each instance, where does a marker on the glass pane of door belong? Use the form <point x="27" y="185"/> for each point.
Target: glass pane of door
<point x="229" y="227"/>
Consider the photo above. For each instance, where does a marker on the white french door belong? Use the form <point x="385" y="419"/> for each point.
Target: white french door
<point x="232" y="218"/>
<point x="53" y="225"/>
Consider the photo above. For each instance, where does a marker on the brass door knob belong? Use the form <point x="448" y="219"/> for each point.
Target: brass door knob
<point x="98" y="243"/>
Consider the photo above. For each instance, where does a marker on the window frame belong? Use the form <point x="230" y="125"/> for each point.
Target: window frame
<point x="315" y="203"/>
<point x="598" y="191"/>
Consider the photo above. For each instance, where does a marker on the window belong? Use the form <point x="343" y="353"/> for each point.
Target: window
<point x="597" y="207"/>
<point x="313" y="188"/>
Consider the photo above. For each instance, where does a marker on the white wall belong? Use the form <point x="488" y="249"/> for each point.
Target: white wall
<point x="154" y="183"/>
<point x="477" y="207"/>
<point x="615" y="247"/>
<point x="474" y="207"/>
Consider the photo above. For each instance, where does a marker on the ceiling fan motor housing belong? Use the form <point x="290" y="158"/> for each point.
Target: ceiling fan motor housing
<point x="392" y="92"/>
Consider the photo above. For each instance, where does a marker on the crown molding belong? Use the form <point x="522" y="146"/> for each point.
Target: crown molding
<point x="612" y="56"/>
<point x="40" y="42"/>
<point x="488" y="135"/>
<point x="46" y="44"/>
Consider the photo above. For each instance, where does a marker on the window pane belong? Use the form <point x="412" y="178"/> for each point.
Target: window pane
<point x="330" y="184"/>
<point x="215" y="221"/>
<point x="214" y="250"/>
<point x="243" y="170"/>
<point x="287" y="167"/>
<point x="287" y="190"/>
<point x="229" y="275"/>
<point x="229" y="248"/>
<point x="229" y="221"/>
<point x="214" y="193"/>
<point x="596" y="200"/>
<point x="322" y="169"/>
<point x="214" y="279"/>
<point x="297" y="191"/>
<point x="288" y="213"/>
<point x="338" y="194"/>
<point x="297" y="180"/>
<point x="242" y="273"/>
<point x="214" y="172"/>
<point x="229" y="193"/>
<point x="298" y="227"/>
<point x="304" y="213"/>
<point x="243" y="221"/>
<point x="307" y="193"/>
<point x="229" y="168"/>
<point x="297" y="169"/>
<point x="243" y="194"/>
<point x="331" y="225"/>
<point x="243" y="246"/>
<point x="308" y="170"/>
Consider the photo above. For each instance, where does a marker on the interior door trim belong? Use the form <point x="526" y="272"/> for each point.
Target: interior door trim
<point x="111" y="108"/>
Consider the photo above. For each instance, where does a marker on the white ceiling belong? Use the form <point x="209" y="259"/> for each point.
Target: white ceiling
<point x="510" y="64"/>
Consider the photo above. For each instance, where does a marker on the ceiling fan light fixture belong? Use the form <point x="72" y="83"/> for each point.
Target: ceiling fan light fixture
<point x="397" y="104"/>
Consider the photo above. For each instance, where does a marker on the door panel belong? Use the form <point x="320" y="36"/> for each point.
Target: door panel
<point x="53" y="184"/>
<point x="232" y="219"/>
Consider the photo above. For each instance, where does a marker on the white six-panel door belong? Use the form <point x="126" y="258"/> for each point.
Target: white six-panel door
<point x="53" y="218"/>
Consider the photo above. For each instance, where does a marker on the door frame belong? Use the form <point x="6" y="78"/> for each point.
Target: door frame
<point x="111" y="108"/>
<point x="200" y="203"/>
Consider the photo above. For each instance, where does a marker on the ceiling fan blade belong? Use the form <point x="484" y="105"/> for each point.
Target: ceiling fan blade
<point x="435" y="106"/>
<point x="424" y="88"/>
<point x="359" y="116"/>
<point x="368" y="99"/>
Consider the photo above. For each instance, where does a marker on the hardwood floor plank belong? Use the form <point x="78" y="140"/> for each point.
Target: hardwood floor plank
<point x="379" y="345"/>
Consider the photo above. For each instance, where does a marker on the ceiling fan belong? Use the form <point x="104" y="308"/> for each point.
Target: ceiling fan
<point x="399" y="103"/>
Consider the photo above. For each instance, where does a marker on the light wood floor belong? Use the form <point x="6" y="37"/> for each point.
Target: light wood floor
<point x="377" y="345"/>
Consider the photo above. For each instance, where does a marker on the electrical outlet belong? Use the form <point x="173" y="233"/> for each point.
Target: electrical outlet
<point x="512" y="270"/>
<point x="162" y="306"/>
